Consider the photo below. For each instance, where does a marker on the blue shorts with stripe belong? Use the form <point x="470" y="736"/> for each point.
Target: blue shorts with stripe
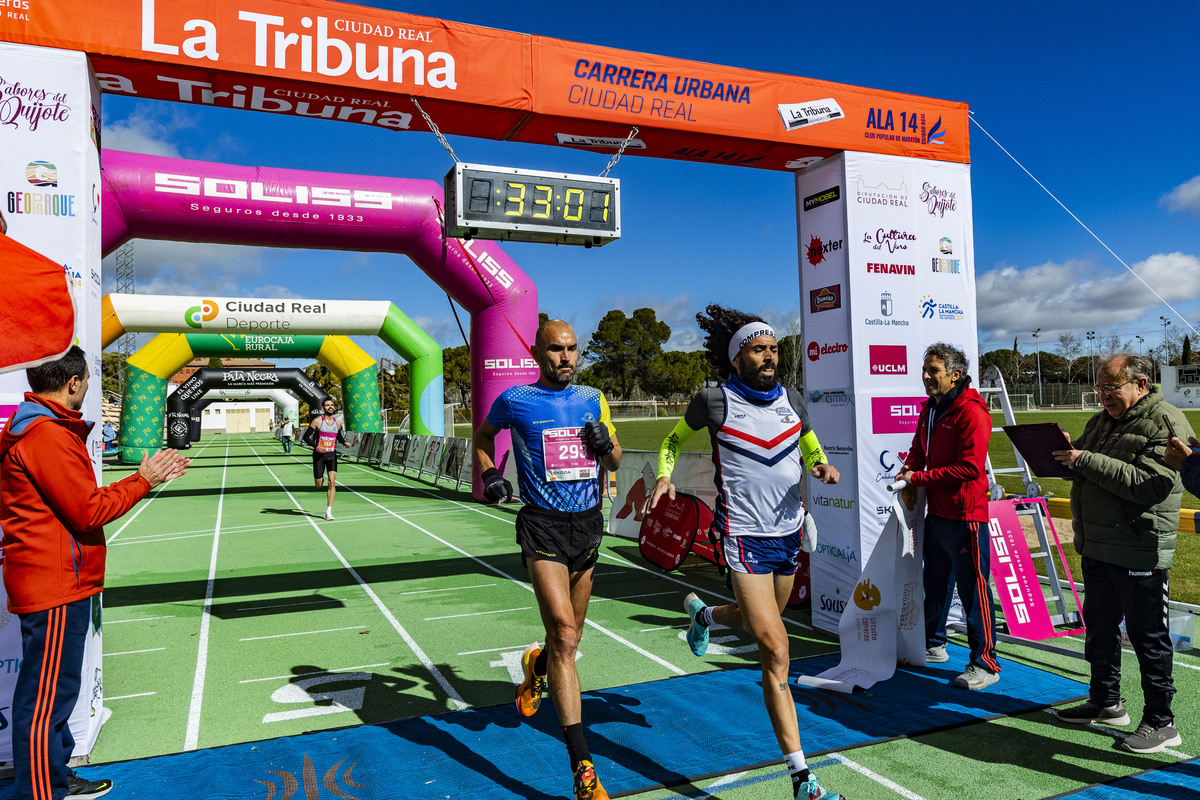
<point x="762" y="555"/>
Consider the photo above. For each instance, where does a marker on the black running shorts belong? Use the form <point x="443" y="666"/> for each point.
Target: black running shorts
<point x="322" y="462"/>
<point x="571" y="538"/>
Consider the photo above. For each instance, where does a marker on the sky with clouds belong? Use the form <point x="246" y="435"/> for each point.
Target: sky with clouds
<point x="1094" y="101"/>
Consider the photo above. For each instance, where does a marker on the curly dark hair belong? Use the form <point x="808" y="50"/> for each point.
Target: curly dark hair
<point x="720" y="324"/>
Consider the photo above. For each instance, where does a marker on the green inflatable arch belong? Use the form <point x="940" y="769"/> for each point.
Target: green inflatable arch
<point x="147" y="372"/>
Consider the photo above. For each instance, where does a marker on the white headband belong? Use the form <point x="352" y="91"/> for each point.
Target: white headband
<point x="748" y="333"/>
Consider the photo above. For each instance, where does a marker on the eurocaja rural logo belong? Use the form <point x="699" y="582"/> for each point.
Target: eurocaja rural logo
<point x="196" y="316"/>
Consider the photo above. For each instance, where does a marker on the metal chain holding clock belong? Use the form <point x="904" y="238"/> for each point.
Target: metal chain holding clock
<point x="617" y="156"/>
<point x="440" y="137"/>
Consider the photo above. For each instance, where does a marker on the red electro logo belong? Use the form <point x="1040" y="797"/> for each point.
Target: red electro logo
<point x="815" y="350"/>
<point x="889" y="359"/>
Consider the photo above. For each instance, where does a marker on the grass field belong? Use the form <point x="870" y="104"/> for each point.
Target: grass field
<point x="234" y="613"/>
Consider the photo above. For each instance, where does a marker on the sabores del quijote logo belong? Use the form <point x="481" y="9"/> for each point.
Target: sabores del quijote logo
<point x="28" y="107"/>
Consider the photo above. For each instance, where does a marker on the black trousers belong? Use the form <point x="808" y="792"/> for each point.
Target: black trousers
<point x="48" y="679"/>
<point x="1140" y="597"/>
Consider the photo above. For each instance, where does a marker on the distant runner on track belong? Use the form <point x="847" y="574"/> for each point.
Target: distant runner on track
<point x="561" y="436"/>
<point x="324" y="434"/>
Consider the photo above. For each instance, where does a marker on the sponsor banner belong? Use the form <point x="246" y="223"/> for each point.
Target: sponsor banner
<point x="1025" y="611"/>
<point x="49" y="196"/>
<point x="895" y="414"/>
<point x="693" y="474"/>
<point x="274" y="317"/>
<point x="357" y="64"/>
<point x="821" y="241"/>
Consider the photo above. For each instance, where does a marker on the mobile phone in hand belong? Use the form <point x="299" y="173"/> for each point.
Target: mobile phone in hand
<point x="1170" y="427"/>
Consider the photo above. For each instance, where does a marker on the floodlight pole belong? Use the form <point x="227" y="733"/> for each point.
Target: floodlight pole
<point x="1141" y="345"/>
<point x="1039" y="364"/>
<point x="1091" y="337"/>
<point x="1165" y="353"/>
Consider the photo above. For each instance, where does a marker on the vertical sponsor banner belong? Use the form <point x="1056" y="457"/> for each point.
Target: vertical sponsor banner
<point x="907" y="282"/>
<point x="49" y="182"/>
<point x="825" y="307"/>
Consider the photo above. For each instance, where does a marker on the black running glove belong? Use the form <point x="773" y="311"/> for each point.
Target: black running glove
<point x="596" y="434"/>
<point x="495" y="487"/>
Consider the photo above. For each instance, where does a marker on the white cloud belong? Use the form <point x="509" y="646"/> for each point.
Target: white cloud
<point x="148" y="130"/>
<point x="1075" y="296"/>
<point x="189" y="268"/>
<point x="1185" y="197"/>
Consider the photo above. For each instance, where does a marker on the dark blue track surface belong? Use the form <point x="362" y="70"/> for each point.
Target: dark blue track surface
<point x="664" y="732"/>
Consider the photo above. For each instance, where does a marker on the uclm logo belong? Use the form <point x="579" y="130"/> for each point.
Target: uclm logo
<point x="889" y="359"/>
<point x="196" y="316"/>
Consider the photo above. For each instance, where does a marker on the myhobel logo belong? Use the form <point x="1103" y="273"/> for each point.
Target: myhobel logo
<point x="196" y="316"/>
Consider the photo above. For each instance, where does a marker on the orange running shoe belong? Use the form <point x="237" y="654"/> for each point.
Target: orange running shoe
<point x="587" y="785"/>
<point x="529" y="693"/>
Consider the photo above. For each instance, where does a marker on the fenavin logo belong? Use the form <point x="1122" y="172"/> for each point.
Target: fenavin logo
<point x="196" y="316"/>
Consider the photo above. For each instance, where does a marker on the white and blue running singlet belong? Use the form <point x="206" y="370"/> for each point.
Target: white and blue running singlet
<point x="757" y="458"/>
<point x="555" y="467"/>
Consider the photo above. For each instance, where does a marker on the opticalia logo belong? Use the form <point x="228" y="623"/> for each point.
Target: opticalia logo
<point x="41" y="173"/>
<point x="881" y="194"/>
<point x="847" y="554"/>
<point x="817" y="249"/>
<point x="938" y="201"/>
<point x="844" y="503"/>
<point x="821" y="198"/>
<point x="891" y="269"/>
<point x="895" y="414"/>
<point x="196" y="316"/>
<point x="889" y="359"/>
<point x="893" y="240"/>
<point x="816" y="350"/>
<point x="945" y="311"/>
<point x="826" y="298"/>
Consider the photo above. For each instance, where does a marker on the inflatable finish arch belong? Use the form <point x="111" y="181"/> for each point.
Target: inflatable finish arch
<point x="149" y="369"/>
<point x="166" y="198"/>
<point x="289" y="406"/>
<point x="181" y="401"/>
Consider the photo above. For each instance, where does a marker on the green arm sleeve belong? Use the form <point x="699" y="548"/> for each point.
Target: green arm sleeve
<point x="669" y="452"/>
<point x="809" y="447"/>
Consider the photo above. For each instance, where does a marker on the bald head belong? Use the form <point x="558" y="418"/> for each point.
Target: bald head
<point x="556" y="352"/>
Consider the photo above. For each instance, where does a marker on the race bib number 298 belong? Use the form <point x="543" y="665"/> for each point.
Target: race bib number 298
<point x="567" y="455"/>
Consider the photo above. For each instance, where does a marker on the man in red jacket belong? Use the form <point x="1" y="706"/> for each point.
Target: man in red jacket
<point x="52" y="514"/>
<point x="948" y="457"/>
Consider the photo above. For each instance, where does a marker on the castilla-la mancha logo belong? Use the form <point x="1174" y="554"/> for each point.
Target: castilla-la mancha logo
<point x="196" y="316"/>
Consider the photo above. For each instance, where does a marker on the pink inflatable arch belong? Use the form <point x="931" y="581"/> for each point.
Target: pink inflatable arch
<point x="151" y="197"/>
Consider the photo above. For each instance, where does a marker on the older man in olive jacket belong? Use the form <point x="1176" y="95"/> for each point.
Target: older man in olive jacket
<point x="1125" y="507"/>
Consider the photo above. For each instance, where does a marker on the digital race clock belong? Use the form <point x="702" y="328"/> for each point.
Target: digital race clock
<point x="516" y="205"/>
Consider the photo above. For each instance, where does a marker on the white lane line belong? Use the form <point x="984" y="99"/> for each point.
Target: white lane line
<point x="481" y="613"/>
<point x="590" y="623"/>
<point x="425" y="660"/>
<point x="301" y="633"/>
<point x="143" y="506"/>
<point x="127" y="696"/>
<point x="315" y="672"/>
<point x="139" y="619"/>
<point x="451" y="589"/>
<point x="520" y="647"/>
<point x="875" y="776"/>
<point x="192" y="738"/>
<point x="134" y="652"/>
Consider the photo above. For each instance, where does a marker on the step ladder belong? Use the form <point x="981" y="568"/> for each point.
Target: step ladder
<point x="992" y="383"/>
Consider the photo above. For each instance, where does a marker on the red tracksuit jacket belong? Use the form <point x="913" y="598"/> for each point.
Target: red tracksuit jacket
<point x="953" y="470"/>
<point x="52" y="512"/>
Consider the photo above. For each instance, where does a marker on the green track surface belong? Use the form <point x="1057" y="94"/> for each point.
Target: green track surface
<point x="235" y="613"/>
